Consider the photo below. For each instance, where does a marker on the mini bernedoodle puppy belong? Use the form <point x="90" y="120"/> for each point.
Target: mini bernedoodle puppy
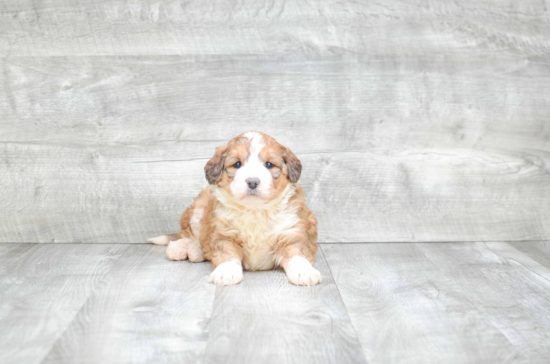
<point x="253" y="214"/>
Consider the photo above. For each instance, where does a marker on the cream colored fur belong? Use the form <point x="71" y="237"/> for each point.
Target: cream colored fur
<point x="195" y="222"/>
<point x="160" y="240"/>
<point x="177" y="249"/>
<point x="259" y="227"/>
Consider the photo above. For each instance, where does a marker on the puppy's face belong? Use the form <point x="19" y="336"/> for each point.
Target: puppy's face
<point x="253" y="167"/>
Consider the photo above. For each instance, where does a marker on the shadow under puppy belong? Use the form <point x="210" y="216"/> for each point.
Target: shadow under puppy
<point x="253" y="214"/>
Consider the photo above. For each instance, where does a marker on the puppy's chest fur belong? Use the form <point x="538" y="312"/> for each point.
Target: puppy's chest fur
<point x="259" y="232"/>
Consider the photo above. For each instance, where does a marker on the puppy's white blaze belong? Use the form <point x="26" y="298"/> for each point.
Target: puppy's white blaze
<point x="195" y="222"/>
<point x="252" y="168"/>
<point x="227" y="273"/>
<point x="160" y="240"/>
<point x="256" y="142"/>
<point x="299" y="271"/>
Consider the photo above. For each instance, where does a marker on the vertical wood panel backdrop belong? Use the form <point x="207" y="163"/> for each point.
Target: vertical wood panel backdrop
<point x="418" y="121"/>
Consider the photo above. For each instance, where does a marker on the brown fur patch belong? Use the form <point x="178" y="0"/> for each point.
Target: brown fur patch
<point x="219" y="239"/>
<point x="215" y="166"/>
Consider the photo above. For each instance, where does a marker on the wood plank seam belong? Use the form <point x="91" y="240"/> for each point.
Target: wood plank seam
<point x="343" y="302"/>
<point x="60" y="333"/>
<point x="521" y="254"/>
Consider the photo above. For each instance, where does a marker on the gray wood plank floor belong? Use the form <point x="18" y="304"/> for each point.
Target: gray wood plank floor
<point x="428" y="302"/>
<point x="378" y="303"/>
<point x="42" y="289"/>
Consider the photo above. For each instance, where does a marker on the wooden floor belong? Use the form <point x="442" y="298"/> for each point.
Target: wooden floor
<point x="378" y="303"/>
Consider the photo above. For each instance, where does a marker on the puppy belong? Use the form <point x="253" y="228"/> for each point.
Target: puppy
<point x="253" y="215"/>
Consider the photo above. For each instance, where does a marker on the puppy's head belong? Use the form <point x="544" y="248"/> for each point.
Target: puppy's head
<point x="253" y="167"/>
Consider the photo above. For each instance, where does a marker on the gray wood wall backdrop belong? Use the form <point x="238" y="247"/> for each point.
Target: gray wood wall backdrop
<point x="415" y="121"/>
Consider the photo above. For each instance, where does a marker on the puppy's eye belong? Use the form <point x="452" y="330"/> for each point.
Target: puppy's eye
<point x="268" y="165"/>
<point x="237" y="165"/>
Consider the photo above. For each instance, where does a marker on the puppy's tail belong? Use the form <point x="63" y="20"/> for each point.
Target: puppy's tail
<point x="164" y="239"/>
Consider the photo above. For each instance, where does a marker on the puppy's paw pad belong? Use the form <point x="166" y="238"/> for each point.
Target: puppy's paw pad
<point x="176" y="253"/>
<point x="227" y="274"/>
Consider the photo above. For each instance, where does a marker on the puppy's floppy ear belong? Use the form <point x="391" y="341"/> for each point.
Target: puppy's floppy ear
<point x="214" y="168"/>
<point x="293" y="163"/>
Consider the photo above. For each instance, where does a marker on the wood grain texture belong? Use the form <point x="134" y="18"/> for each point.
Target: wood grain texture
<point x="148" y="309"/>
<point x="429" y="148"/>
<point x="387" y="302"/>
<point x="415" y="121"/>
<point x="406" y="309"/>
<point x="537" y="250"/>
<point x="265" y="319"/>
<point x="61" y="27"/>
<point x="510" y="288"/>
<point x="42" y="288"/>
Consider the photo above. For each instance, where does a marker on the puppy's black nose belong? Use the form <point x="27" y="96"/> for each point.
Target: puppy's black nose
<point x="252" y="183"/>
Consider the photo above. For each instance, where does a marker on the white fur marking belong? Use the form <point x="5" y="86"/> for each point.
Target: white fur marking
<point x="299" y="271"/>
<point x="252" y="168"/>
<point x="195" y="222"/>
<point x="160" y="240"/>
<point x="256" y="142"/>
<point x="227" y="273"/>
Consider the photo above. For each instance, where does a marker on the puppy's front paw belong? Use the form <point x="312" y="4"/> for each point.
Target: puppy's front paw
<point x="194" y="252"/>
<point x="301" y="273"/>
<point x="227" y="274"/>
<point x="177" y="250"/>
